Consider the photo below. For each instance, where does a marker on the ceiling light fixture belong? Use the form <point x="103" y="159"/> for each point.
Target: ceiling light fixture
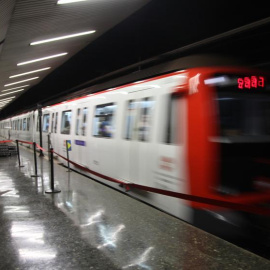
<point x="11" y="92"/>
<point x="41" y="59"/>
<point x="29" y="72"/>
<point x="22" y="81"/>
<point x="15" y="88"/>
<point x="68" y="1"/>
<point x="62" y="37"/>
<point x="7" y="99"/>
<point x="4" y="102"/>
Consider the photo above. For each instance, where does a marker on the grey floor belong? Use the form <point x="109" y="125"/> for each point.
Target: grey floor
<point x="90" y="226"/>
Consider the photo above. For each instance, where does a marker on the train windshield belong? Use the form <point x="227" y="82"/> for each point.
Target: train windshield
<point x="243" y="107"/>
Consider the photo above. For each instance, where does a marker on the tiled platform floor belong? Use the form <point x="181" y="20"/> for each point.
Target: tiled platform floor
<point x="90" y="226"/>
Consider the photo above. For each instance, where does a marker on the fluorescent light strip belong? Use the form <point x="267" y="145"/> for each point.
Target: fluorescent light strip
<point x="34" y="78"/>
<point x="41" y="59"/>
<point x="68" y="1"/>
<point x="5" y="99"/>
<point x="11" y="92"/>
<point x="15" y="88"/>
<point x="21" y="89"/>
<point x="29" y="72"/>
<point x="63" y="37"/>
<point x="2" y="104"/>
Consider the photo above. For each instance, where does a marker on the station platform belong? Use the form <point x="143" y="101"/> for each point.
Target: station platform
<point x="91" y="226"/>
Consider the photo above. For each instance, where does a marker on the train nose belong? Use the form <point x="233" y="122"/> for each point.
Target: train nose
<point x="243" y="229"/>
<point x="225" y="224"/>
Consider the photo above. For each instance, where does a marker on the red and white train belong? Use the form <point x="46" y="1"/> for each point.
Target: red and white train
<point x="202" y="130"/>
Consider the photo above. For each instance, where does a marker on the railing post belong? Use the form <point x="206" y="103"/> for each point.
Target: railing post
<point x="18" y="152"/>
<point x="52" y="189"/>
<point x="35" y="159"/>
<point x="40" y="128"/>
<point x="49" y="144"/>
<point x="68" y="157"/>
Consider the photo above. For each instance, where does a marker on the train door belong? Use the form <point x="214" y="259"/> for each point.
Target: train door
<point x="35" y="128"/>
<point x="54" y="132"/>
<point x="138" y="132"/>
<point x="103" y="144"/>
<point x="45" y="129"/>
<point x="170" y="158"/>
<point x="80" y="143"/>
<point x="130" y="156"/>
<point x="52" y="135"/>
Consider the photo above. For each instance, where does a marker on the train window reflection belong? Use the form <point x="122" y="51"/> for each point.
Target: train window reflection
<point x="46" y="120"/>
<point x="66" y="122"/>
<point x="103" y="124"/>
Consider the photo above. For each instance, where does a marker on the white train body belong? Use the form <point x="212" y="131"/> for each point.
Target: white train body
<point x="134" y="160"/>
<point x="163" y="132"/>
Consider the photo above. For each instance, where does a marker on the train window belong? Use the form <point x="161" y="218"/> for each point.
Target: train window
<point x="172" y="128"/>
<point x="28" y="123"/>
<point x="24" y="124"/>
<point x="52" y="123"/>
<point x="138" y="119"/>
<point x="46" y="121"/>
<point x="103" y="124"/>
<point x="33" y="122"/>
<point x="37" y="124"/>
<point x="78" y="121"/>
<point x="84" y="122"/>
<point x="56" y="120"/>
<point x="66" y="122"/>
<point x="144" y="124"/>
<point x="130" y="119"/>
<point x="243" y="106"/>
<point x="244" y="116"/>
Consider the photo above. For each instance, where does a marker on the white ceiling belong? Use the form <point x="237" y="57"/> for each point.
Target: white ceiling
<point x="25" y="21"/>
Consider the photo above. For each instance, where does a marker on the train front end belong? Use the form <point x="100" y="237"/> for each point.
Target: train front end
<point x="229" y="149"/>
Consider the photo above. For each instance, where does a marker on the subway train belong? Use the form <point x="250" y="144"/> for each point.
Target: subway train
<point x="196" y="127"/>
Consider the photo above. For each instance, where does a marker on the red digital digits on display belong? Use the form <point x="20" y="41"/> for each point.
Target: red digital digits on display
<point x="252" y="82"/>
